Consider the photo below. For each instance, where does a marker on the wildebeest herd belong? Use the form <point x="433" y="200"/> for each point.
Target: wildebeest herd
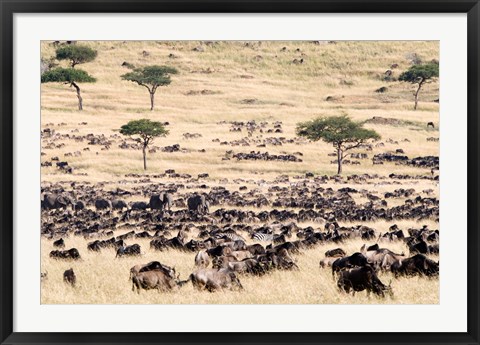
<point x="231" y="234"/>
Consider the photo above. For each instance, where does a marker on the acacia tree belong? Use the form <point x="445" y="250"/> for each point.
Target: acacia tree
<point x="76" y="54"/>
<point x="69" y="76"/>
<point x="420" y="74"/>
<point x="151" y="77"/>
<point x="144" y="131"/>
<point x="340" y="131"/>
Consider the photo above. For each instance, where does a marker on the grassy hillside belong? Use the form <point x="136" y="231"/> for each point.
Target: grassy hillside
<point x="254" y="81"/>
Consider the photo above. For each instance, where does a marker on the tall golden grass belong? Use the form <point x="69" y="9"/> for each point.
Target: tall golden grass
<point x="102" y="279"/>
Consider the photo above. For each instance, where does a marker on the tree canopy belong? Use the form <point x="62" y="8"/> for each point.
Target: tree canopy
<point x="420" y="74"/>
<point x="340" y="131"/>
<point x="151" y="77"/>
<point x="146" y="130"/>
<point x="67" y="75"/>
<point x="77" y="54"/>
<point x="417" y="73"/>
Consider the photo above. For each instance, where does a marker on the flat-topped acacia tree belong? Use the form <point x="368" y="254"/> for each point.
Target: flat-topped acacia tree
<point x="76" y="54"/>
<point x="70" y="76"/>
<point x="143" y="131"/>
<point x="420" y="74"/>
<point x="340" y="131"/>
<point x="151" y="77"/>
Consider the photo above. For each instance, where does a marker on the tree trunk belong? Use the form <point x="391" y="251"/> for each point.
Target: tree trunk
<point x="416" y="94"/>
<point x="339" y="160"/>
<point x="152" y="100"/>
<point x="80" y="100"/>
<point x="144" y="158"/>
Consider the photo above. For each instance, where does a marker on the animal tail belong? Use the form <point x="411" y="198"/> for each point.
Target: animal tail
<point x="183" y="282"/>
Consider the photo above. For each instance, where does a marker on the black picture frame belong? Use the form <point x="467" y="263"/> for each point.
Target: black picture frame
<point x="10" y="7"/>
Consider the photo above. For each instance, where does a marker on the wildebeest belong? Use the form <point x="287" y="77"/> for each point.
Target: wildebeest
<point x="337" y="252"/>
<point x="138" y="206"/>
<point x="65" y="254"/>
<point x="54" y="201"/>
<point x="256" y="249"/>
<point x="198" y="204"/>
<point x="79" y="205"/>
<point x="354" y="260"/>
<point x="430" y="124"/>
<point x="118" y="204"/>
<point x="103" y="204"/>
<point x="202" y="259"/>
<point x="380" y="258"/>
<point x="362" y="278"/>
<point x="59" y="243"/>
<point x="162" y="201"/>
<point x="279" y="259"/>
<point x="213" y="279"/>
<point x="420" y="247"/>
<point x="249" y="265"/>
<point x="152" y="266"/>
<point x="416" y="265"/>
<point x="328" y="261"/>
<point x="69" y="277"/>
<point x="154" y="279"/>
<point x="132" y="250"/>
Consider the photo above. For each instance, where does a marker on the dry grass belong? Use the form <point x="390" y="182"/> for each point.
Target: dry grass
<point x="101" y="279"/>
<point x="349" y="71"/>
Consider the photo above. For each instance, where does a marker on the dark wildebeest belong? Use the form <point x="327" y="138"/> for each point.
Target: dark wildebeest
<point x="256" y="249"/>
<point x="354" y="260"/>
<point x="162" y="201"/>
<point x="69" y="277"/>
<point x="337" y="252"/>
<point x="152" y="266"/>
<point x="430" y="124"/>
<point x="362" y="278"/>
<point x="54" y="201"/>
<point x="279" y="259"/>
<point x="138" y="206"/>
<point x="416" y="265"/>
<point x="420" y="247"/>
<point x="219" y="251"/>
<point x="119" y="204"/>
<point x="103" y="204"/>
<point x="94" y="246"/>
<point x="59" y="243"/>
<point x="65" y="254"/>
<point x="198" y="204"/>
<point x="132" y="250"/>
<point x="79" y="205"/>
<point x="213" y="279"/>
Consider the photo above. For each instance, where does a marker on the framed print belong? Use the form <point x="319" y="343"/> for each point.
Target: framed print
<point x="239" y="172"/>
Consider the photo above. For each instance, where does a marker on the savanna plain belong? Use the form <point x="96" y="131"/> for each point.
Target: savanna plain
<point x="229" y="104"/>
